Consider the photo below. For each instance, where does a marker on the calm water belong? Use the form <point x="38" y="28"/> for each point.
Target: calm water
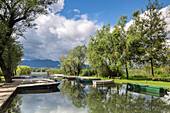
<point x="79" y="98"/>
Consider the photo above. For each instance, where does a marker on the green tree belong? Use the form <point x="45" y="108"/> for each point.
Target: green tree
<point x="99" y="51"/>
<point x="80" y="53"/>
<point x="21" y="70"/>
<point x="12" y="58"/>
<point x="72" y="59"/>
<point x="15" y="17"/>
<point x="62" y="60"/>
<point x="154" y="34"/>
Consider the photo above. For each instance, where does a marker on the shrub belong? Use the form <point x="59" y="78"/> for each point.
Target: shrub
<point x="158" y="71"/>
<point x="21" y="70"/>
<point x="55" y="71"/>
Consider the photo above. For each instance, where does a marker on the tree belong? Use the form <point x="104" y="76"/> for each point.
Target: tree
<point x="122" y="46"/>
<point x="63" y="63"/>
<point x="11" y="57"/>
<point x="80" y="57"/>
<point x="72" y="59"/>
<point x="15" y="17"/>
<point x="154" y="34"/>
<point x="99" y="51"/>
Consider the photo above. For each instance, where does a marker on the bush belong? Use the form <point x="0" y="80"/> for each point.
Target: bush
<point x="55" y="71"/>
<point x="21" y="70"/>
<point x="158" y="71"/>
<point x="86" y="72"/>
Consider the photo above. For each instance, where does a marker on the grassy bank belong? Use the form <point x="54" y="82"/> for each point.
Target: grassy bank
<point x="149" y="82"/>
<point x="138" y="81"/>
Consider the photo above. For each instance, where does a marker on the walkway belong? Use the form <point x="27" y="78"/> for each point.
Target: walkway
<point x="6" y="91"/>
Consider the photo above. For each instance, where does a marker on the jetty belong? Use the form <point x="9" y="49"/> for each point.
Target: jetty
<point x="9" y="90"/>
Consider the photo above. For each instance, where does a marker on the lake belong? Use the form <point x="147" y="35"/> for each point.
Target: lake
<point x="73" y="97"/>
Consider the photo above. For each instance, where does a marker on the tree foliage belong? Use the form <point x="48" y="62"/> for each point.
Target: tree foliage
<point x="143" y="42"/>
<point x="74" y="60"/>
<point x="15" y="17"/>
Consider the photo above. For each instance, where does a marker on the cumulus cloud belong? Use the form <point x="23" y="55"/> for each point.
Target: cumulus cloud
<point x="55" y="34"/>
<point x="76" y="10"/>
<point x="165" y="13"/>
<point x="58" y="6"/>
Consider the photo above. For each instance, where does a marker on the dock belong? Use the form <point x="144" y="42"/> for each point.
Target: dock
<point x="9" y="90"/>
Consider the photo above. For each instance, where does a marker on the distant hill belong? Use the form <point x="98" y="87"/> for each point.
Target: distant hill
<point x="41" y="63"/>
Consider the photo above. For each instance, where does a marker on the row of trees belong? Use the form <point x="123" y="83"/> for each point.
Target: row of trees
<point x="15" y="17"/>
<point x="142" y="43"/>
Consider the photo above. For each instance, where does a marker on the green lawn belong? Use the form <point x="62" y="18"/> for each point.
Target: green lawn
<point x="138" y="81"/>
<point x="149" y="82"/>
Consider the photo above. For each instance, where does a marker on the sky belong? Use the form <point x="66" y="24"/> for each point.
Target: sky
<point x="71" y="23"/>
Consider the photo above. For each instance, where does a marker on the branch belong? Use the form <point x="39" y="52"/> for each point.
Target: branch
<point x="23" y="17"/>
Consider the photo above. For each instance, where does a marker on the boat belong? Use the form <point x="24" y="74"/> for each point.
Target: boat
<point x="146" y="88"/>
<point x="86" y="79"/>
<point x="102" y="82"/>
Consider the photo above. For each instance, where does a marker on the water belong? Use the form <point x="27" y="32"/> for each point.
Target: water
<point x="80" y="98"/>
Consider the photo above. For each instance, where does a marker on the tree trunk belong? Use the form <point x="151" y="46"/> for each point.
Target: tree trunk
<point x="117" y="72"/>
<point x="152" y="68"/>
<point x="6" y="72"/>
<point x="74" y="72"/>
<point x="70" y="70"/>
<point x="78" y="72"/>
<point x="127" y="74"/>
<point x="7" y="76"/>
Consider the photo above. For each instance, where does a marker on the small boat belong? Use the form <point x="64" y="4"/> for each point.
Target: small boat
<point x="102" y="82"/>
<point x="86" y="79"/>
<point x="147" y="88"/>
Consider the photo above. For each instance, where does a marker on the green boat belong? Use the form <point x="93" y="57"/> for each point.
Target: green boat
<point x="146" y="88"/>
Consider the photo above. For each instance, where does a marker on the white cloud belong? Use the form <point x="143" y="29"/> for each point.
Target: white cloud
<point x="76" y="10"/>
<point x="58" y="6"/>
<point x="56" y="33"/>
<point x="165" y="12"/>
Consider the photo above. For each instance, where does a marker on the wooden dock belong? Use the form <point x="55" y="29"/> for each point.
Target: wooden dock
<point x="102" y="82"/>
<point x="8" y="91"/>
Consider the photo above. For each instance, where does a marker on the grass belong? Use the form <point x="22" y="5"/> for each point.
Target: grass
<point x="140" y="80"/>
<point x="149" y="82"/>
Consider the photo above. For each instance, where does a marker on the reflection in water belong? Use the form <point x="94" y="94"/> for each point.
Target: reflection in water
<point x="81" y="98"/>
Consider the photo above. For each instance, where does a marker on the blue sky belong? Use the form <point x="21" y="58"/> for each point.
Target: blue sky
<point x="72" y="22"/>
<point x="105" y="11"/>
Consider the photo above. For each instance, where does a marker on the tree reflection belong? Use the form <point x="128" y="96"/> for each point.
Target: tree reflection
<point x="75" y="93"/>
<point x="112" y="100"/>
<point x="15" y="105"/>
